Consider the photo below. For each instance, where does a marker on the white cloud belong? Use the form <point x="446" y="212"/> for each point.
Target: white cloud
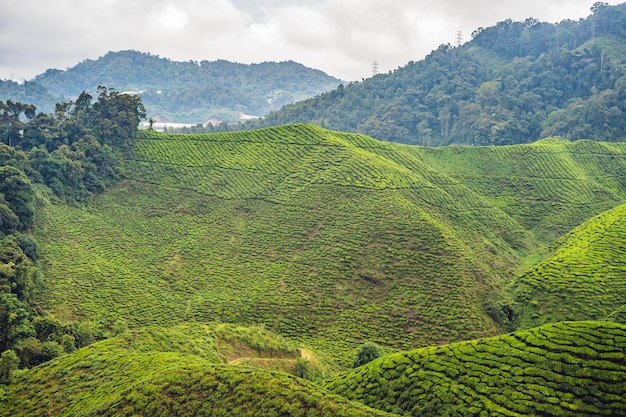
<point x="171" y="18"/>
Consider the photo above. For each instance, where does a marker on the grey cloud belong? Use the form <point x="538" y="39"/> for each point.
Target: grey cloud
<point x="341" y="37"/>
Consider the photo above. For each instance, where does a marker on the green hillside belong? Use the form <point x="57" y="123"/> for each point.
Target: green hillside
<point x="513" y="82"/>
<point x="179" y="371"/>
<point x="28" y="92"/>
<point x="330" y="238"/>
<point x="298" y="228"/>
<point x="565" y="369"/>
<point x="585" y="278"/>
<point x="549" y="186"/>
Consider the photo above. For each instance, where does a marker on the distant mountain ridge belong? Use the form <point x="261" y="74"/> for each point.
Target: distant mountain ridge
<point x="515" y="82"/>
<point x="186" y="92"/>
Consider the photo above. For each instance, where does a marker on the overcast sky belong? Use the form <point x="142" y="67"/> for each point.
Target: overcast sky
<point x="340" y="37"/>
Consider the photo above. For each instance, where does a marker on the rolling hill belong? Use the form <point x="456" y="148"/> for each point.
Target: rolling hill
<point x="564" y="369"/>
<point x="584" y="278"/>
<point x="549" y="186"/>
<point x="329" y="238"/>
<point x="179" y="371"/>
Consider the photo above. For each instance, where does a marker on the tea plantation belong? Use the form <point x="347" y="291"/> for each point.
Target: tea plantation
<point x="584" y="278"/>
<point x="313" y="242"/>
<point x="166" y="372"/>
<point x="330" y="238"/>
<point x="564" y="369"/>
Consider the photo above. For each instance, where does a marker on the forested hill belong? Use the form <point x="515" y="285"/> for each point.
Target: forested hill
<point x="188" y="92"/>
<point x="514" y="82"/>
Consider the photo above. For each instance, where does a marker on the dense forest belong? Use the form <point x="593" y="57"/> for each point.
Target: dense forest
<point x="172" y="91"/>
<point x="514" y="82"/>
<point x="75" y="153"/>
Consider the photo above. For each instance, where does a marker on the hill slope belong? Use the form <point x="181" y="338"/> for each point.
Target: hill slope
<point x="159" y="371"/>
<point x="186" y="92"/>
<point x="298" y="228"/>
<point x="514" y="82"/>
<point x="549" y="186"/>
<point x="585" y="276"/>
<point x="328" y="237"/>
<point x="565" y="369"/>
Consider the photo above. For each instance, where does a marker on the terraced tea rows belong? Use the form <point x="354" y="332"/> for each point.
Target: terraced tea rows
<point x="565" y="369"/>
<point x="332" y="238"/>
<point x="311" y="274"/>
<point x="549" y="187"/>
<point x="267" y="163"/>
<point x="178" y="371"/>
<point x="585" y="278"/>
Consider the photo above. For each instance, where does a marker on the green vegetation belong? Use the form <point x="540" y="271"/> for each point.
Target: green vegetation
<point x="564" y="369"/>
<point x="297" y="228"/>
<point x="28" y="92"/>
<point x="336" y="243"/>
<point x="178" y="371"/>
<point x="584" y="277"/>
<point x="74" y="152"/>
<point x="333" y="239"/>
<point x="548" y="187"/>
<point x="186" y="92"/>
<point x="512" y="83"/>
<point x="329" y="239"/>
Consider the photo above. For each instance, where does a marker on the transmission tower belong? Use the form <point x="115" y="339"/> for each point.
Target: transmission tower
<point x="459" y="38"/>
<point x="374" y="68"/>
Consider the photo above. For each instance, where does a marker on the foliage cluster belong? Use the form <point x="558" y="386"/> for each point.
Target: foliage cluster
<point x="563" y="369"/>
<point x="512" y="83"/>
<point x="367" y="353"/>
<point x="76" y="150"/>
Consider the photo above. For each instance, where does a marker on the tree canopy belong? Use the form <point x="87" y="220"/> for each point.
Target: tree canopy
<point x="367" y="353"/>
<point x="515" y="82"/>
<point x="75" y="152"/>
